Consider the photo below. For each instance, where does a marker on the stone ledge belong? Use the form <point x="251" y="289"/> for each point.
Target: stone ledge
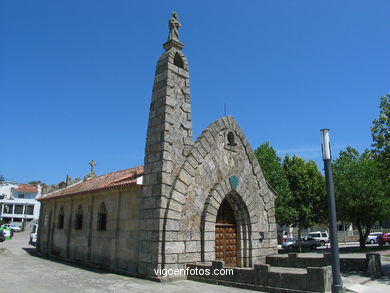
<point x="173" y="44"/>
<point x="371" y="265"/>
<point x="263" y="277"/>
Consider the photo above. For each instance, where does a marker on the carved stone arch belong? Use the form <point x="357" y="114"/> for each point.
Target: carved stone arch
<point x="185" y="190"/>
<point x="176" y="56"/>
<point x="196" y="157"/>
<point x="244" y="223"/>
<point x="178" y="61"/>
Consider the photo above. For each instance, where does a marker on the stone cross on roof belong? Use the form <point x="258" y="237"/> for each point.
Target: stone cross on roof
<point x="92" y="164"/>
<point x="92" y="173"/>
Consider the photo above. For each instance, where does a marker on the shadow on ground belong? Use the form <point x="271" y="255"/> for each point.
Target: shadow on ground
<point x="33" y="252"/>
<point x="386" y="272"/>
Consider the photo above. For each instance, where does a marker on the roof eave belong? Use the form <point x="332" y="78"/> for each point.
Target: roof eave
<point x="43" y="198"/>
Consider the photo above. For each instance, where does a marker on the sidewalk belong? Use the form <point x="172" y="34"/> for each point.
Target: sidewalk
<point x="354" y="282"/>
<point x="62" y="277"/>
<point x="362" y="284"/>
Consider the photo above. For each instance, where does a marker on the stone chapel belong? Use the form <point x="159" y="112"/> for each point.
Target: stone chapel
<point x="192" y="201"/>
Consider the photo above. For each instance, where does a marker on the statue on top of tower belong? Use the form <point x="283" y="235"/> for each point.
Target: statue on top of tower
<point x="174" y="26"/>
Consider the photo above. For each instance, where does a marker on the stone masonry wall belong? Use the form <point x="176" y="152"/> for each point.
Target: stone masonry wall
<point x="370" y="265"/>
<point x="116" y="248"/>
<point x="263" y="278"/>
<point x="197" y="192"/>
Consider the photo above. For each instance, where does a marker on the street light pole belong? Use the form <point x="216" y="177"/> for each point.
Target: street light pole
<point x="326" y="156"/>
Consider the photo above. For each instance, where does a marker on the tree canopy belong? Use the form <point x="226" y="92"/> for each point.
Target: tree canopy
<point x="362" y="182"/>
<point x="300" y="187"/>
<point x="35" y="182"/>
<point x="275" y="175"/>
<point x="307" y="186"/>
<point x="380" y="131"/>
<point x="360" y="191"/>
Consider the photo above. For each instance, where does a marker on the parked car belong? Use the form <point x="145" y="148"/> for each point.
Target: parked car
<point x="306" y="242"/>
<point x="372" y="237"/>
<point x="12" y="227"/>
<point x="322" y="237"/>
<point x="383" y="239"/>
<point x="8" y="234"/>
<point x="2" y="237"/>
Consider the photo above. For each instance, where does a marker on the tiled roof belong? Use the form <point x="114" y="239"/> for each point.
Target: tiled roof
<point x="112" y="180"/>
<point x="26" y="188"/>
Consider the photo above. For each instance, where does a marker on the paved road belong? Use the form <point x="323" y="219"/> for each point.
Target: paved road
<point x="22" y="271"/>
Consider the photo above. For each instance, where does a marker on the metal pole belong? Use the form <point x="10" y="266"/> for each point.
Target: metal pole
<point x="337" y="284"/>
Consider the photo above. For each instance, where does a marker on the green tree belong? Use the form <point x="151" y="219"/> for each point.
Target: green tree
<point x="35" y="182"/>
<point x="274" y="174"/>
<point x="307" y="186"/>
<point x="380" y="131"/>
<point x="360" y="191"/>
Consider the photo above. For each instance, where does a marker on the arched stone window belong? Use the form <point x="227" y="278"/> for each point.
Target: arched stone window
<point x="102" y="218"/>
<point x="78" y="225"/>
<point x="178" y="61"/>
<point x="60" y="222"/>
<point x="231" y="139"/>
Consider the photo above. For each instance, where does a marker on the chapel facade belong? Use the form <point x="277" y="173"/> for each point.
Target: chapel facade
<point x="192" y="201"/>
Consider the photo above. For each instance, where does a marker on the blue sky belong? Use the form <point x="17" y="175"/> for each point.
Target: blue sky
<point x="76" y="76"/>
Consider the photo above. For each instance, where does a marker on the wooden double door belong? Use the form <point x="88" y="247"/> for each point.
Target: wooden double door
<point x="226" y="235"/>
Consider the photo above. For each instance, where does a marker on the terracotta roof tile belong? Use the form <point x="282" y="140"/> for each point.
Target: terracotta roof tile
<point x="103" y="182"/>
<point x="26" y="188"/>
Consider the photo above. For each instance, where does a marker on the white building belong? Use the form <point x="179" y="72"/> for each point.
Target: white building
<point x="18" y="203"/>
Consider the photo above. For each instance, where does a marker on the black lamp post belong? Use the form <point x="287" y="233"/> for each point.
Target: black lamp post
<point x="326" y="156"/>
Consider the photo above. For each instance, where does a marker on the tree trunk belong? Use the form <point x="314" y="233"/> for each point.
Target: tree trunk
<point x="361" y="244"/>
<point x="363" y="235"/>
<point x="299" y="239"/>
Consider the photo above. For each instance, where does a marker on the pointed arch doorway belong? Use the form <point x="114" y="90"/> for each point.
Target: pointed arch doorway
<point x="226" y="235"/>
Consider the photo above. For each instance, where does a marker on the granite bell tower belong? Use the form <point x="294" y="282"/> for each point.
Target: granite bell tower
<point x="169" y="137"/>
<point x="202" y="200"/>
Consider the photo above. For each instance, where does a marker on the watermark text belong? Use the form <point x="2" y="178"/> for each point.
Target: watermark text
<point x="163" y="272"/>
